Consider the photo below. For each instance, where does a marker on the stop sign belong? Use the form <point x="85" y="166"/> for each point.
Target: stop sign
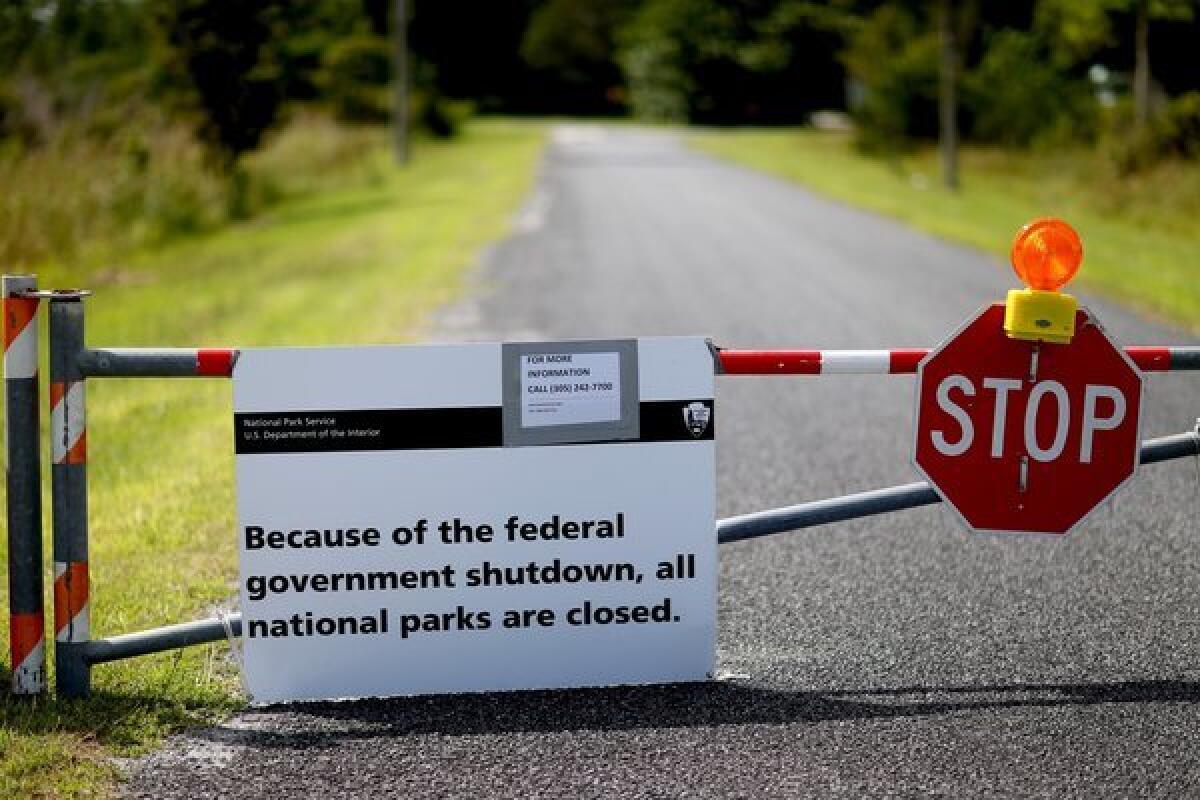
<point x="1022" y="436"/>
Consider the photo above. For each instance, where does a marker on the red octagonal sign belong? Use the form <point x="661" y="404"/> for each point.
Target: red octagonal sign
<point x="1022" y="436"/>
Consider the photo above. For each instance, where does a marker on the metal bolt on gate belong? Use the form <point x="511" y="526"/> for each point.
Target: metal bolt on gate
<point x="72" y="363"/>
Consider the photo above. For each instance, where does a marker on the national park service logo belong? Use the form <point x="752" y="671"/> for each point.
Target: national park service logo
<point x="696" y="416"/>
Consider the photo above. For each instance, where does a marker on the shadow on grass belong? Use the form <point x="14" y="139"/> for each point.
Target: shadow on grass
<point x="669" y="706"/>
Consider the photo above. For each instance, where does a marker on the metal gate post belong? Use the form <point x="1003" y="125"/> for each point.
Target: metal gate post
<point x="27" y="624"/>
<point x="68" y="434"/>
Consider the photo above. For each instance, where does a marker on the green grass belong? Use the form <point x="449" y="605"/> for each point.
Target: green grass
<point x="1140" y="236"/>
<point x="356" y="258"/>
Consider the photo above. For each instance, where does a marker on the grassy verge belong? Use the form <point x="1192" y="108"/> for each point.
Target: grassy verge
<point x="1140" y="234"/>
<point x="360" y="261"/>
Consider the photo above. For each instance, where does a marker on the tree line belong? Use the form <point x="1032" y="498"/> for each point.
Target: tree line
<point x="1012" y="72"/>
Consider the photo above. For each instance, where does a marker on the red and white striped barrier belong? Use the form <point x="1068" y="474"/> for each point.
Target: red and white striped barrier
<point x="68" y="427"/>
<point x="68" y="423"/>
<point x="27" y="643"/>
<point x="219" y="362"/>
<point x="71" y="617"/>
<point x="903" y="361"/>
<point x="818" y="362"/>
<point x="26" y="622"/>
<point x="20" y="337"/>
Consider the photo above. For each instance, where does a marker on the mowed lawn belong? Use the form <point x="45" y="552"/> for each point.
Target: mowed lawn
<point x="361" y="263"/>
<point x="1140" y="234"/>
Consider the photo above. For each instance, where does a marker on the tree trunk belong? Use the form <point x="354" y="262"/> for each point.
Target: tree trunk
<point x="1141" y="65"/>
<point x="400" y="121"/>
<point x="948" y="94"/>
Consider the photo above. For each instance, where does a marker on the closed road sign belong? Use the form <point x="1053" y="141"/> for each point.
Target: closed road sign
<point x="475" y="517"/>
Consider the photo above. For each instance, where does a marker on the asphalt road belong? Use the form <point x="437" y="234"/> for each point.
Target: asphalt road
<point x="894" y="655"/>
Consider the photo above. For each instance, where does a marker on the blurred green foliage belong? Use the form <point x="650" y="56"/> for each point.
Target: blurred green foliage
<point x="124" y="122"/>
<point x="575" y="42"/>
<point x="1173" y="133"/>
<point x="1081" y="28"/>
<point x="163" y="99"/>
<point x="1018" y="96"/>
<point x="226" y="53"/>
<point x="666" y="48"/>
<point x="1038" y="73"/>
<point x="239" y="65"/>
<point x="734" y="62"/>
<point x="894" y="58"/>
<point x="355" y="75"/>
<point x="231" y="69"/>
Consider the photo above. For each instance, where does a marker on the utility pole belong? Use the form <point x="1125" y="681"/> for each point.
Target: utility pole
<point x="948" y="94"/>
<point x="400" y="122"/>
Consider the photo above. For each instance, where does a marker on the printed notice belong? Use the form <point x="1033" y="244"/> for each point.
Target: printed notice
<point x="570" y="388"/>
<point x="391" y="541"/>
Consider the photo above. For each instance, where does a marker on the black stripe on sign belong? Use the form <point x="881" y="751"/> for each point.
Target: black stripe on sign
<point x="433" y="428"/>
<point x="667" y="421"/>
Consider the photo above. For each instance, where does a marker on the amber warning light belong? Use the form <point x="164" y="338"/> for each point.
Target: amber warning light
<point x="1046" y="254"/>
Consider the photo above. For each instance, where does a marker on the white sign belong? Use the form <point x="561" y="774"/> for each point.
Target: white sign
<point x="399" y="533"/>
<point x="570" y="388"/>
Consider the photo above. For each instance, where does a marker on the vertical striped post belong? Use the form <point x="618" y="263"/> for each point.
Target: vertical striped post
<point x="68" y="432"/>
<point x="27" y="643"/>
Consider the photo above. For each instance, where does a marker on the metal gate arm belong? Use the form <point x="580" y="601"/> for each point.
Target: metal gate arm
<point x="157" y="640"/>
<point x="729" y="530"/>
<point x="902" y="362"/>
<point x="157" y="362"/>
<point x="897" y="498"/>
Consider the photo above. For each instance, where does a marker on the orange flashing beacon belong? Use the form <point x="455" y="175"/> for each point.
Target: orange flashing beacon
<point x="1046" y="255"/>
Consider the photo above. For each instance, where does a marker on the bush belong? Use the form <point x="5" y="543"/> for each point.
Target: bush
<point x="658" y="85"/>
<point x="679" y="58"/>
<point x="1179" y="128"/>
<point x="570" y="44"/>
<point x="1175" y="133"/>
<point x="896" y="64"/>
<point x="75" y="192"/>
<point x="355" y="75"/>
<point x="1016" y="97"/>
<point x="226" y="54"/>
<point x="28" y="113"/>
<point x="439" y="117"/>
<point x="153" y="180"/>
<point x="12" y="120"/>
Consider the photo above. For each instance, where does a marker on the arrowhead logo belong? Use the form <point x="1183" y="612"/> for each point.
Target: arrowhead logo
<point x="696" y="416"/>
